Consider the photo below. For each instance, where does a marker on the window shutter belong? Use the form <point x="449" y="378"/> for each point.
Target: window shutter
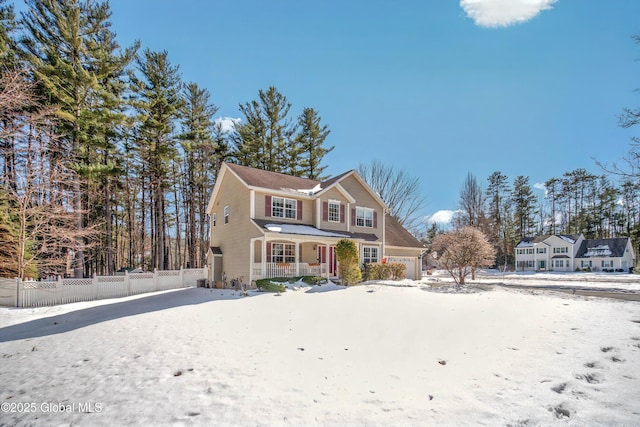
<point x="325" y="211"/>
<point x="353" y="216"/>
<point x="299" y="210"/>
<point x="267" y="206"/>
<point x="268" y="251"/>
<point x="342" y="213"/>
<point x="375" y="219"/>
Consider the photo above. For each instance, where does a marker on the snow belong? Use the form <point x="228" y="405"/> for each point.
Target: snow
<point x="408" y="354"/>
<point x="301" y="229"/>
<point x="568" y="239"/>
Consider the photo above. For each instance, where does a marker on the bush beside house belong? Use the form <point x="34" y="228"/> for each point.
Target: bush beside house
<point x="348" y="262"/>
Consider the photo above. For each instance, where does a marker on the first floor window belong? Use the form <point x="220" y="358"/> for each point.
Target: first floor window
<point x="369" y="254"/>
<point x="283" y="252"/>
<point x="607" y="264"/>
<point x="364" y="217"/>
<point x="559" y="263"/>
<point x="585" y="264"/>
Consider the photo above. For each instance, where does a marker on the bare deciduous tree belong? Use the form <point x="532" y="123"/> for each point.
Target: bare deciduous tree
<point x="400" y="191"/>
<point x="462" y="251"/>
<point x="43" y="235"/>
<point x="471" y="212"/>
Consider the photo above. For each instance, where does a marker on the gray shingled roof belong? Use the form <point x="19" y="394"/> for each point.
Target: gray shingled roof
<point x="616" y="245"/>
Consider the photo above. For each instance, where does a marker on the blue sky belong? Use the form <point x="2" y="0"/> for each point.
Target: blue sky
<point x="438" y="88"/>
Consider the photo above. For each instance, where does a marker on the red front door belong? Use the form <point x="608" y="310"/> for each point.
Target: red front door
<point x="328" y="258"/>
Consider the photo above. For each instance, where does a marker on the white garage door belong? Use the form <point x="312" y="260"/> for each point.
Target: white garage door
<point x="409" y="262"/>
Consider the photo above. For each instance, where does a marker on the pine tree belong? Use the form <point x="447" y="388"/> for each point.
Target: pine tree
<point x="264" y="140"/>
<point x="524" y="207"/>
<point x="499" y="202"/>
<point x="60" y="44"/>
<point x="310" y="143"/>
<point x="197" y="142"/>
<point x="158" y="106"/>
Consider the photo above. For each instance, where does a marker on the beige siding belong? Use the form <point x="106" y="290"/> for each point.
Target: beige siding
<point x="397" y="251"/>
<point x="234" y="238"/>
<point x="334" y="194"/>
<point x="364" y="199"/>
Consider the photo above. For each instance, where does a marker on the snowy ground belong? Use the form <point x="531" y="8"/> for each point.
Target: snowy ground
<point x="368" y="355"/>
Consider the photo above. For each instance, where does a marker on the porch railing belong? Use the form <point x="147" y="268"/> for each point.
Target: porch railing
<point x="288" y="269"/>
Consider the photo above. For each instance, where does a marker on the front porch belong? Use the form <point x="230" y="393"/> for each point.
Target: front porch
<point x="292" y="257"/>
<point x="289" y="269"/>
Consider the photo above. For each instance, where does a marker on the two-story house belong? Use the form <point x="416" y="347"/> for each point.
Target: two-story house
<point x="266" y="224"/>
<point x="573" y="252"/>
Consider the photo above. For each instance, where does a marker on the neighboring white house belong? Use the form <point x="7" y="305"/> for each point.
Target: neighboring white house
<point x="573" y="252"/>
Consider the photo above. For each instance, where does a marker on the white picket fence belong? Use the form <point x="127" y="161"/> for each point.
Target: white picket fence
<point x="32" y="293"/>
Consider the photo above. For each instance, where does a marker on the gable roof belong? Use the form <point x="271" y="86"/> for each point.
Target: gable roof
<point x="609" y="248"/>
<point x="530" y="241"/>
<point x="397" y="235"/>
<point x="271" y="180"/>
<point x="281" y="182"/>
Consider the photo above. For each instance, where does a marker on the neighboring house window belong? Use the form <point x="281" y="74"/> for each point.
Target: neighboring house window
<point x="585" y="264"/>
<point x="226" y="214"/>
<point x="530" y="251"/>
<point x="608" y="263"/>
<point x="525" y="264"/>
<point x="283" y="252"/>
<point x="334" y="211"/>
<point x="284" y="208"/>
<point x="541" y="250"/>
<point x="364" y="217"/>
<point x="563" y="250"/>
<point x="369" y="254"/>
<point x="214" y="219"/>
<point x="559" y="263"/>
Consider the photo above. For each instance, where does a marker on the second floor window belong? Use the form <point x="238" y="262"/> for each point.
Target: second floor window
<point x="284" y="208"/>
<point x="334" y="211"/>
<point x="215" y="217"/>
<point x="226" y="214"/>
<point x="563" y="250"/>
<point x="364" y="217"/>
<point x="541" y="250"/>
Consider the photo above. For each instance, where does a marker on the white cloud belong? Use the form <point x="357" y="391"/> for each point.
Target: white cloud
<point x="227" y="124"/>
<point x="441" y="217"/>
<point x="502" y="13"/>
<point x="540" y="186"/>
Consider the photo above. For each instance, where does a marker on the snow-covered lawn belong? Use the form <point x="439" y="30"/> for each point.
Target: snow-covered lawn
<point x="617" y="281"/>
<point x="368" y="355"/>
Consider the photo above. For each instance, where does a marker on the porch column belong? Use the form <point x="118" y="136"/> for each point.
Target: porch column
<point x="251" y="254"/>
<point x="297" y="255"/>
<point x="263" y="260"/>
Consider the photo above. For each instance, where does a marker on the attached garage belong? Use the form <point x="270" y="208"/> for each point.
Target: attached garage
<point x="401" y="246"/>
